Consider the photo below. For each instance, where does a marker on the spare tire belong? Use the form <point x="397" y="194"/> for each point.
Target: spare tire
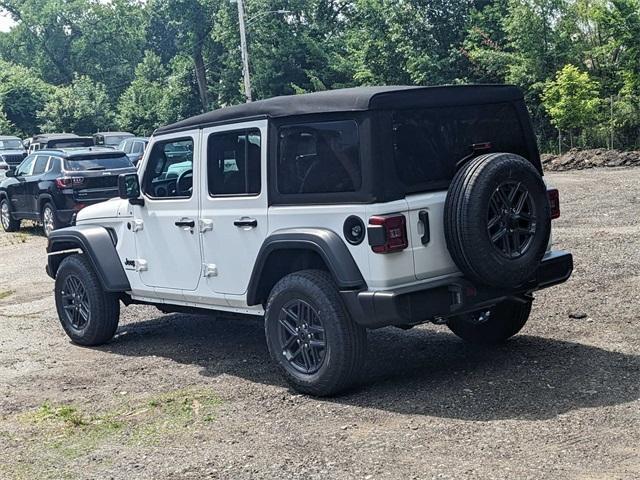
<point x="497" y="220"/>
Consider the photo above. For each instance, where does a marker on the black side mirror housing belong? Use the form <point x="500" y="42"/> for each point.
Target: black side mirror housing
<point x="129" y="188"/>
<point x="10" y="173"/>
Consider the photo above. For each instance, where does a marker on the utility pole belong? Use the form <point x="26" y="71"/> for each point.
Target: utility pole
<point x="245" y="51"/>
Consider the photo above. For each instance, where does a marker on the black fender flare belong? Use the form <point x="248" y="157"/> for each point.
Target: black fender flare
<point x="98" y="245"/>
<point x="326" y="243"/>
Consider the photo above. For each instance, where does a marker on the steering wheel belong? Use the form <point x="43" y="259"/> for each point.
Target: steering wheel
<point x="180" y="189"/>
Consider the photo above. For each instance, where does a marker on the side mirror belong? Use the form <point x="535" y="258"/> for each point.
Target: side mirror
<point x="129" y="188"/>
<point x="10" y="173"/>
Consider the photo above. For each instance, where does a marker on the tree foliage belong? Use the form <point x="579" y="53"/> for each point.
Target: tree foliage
<point x="157" y="61"/>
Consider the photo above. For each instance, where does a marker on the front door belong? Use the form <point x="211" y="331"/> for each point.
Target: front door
<point x="17" y="191"/>
<point x="234" y="204"/>
<point x="166" y="233"/>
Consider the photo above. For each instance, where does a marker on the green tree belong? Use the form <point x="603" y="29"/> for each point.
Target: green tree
<point x="22" y="95"/>
<point x="82" y="107"/>
<point x="6" y="127"/>
<point x="572" y="100"/>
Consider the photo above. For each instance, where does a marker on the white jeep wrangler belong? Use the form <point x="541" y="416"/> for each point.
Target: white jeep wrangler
<point x="328" y="214"/>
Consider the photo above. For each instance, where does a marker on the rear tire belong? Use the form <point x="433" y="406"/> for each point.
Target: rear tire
<point x="88" y="314"/>
<point x="491" y="326"/>
<point x="9" y="224"/>
<point x="49" y="219"/>
<point x="310" y="335"/>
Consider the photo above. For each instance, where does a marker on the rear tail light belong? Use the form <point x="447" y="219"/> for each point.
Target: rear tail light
<point x="554" y="203"/>
<point x="69" y="182"/>
<point x="388" y="233"/>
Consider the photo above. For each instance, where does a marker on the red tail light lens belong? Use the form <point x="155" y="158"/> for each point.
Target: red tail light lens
<point x="388" y="234"/>
<point x="69" y="182"/>
<point x="554" y="203"/>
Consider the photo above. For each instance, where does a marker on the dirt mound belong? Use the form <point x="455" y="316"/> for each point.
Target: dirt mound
<point x="576" y="159"/>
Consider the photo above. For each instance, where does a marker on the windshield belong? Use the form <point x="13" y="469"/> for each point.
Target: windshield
<point x="11" y="145"/>
<point x="114" y="141"/>
<point x="96" y="163"/>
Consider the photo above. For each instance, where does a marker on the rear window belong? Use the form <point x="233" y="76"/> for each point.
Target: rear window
<point x="428" y="143"/>
<point x="70" y="143"/>
<point x="96" y="163"/>
<point x="114" y="141"/>
<point x="321" y="157"/>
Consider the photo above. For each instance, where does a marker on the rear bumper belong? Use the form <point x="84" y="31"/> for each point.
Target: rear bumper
<point x="448" y="297"/>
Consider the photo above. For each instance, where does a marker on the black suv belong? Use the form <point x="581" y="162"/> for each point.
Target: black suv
<point x="51" y="186"/>
<point x="12" y="151"/>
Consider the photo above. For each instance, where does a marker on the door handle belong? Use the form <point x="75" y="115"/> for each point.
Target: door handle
<point x="246" y="223"/>
<point x="186" y="223"/>
<point x="423" y="216"/>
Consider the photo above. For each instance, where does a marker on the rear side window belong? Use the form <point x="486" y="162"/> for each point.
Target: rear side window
<point x="428" y="143"/>
<point x="78" y="164"/>
<point x="321" y="157"/>
<point x="138" y="147"/>
<point x="233" y="163"/>
<point x="41" y="164"/>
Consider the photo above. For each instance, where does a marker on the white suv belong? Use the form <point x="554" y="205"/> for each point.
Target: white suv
<point x="328" y="214"/>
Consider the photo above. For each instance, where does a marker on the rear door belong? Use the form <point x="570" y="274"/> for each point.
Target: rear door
<point x="233" y="221"/>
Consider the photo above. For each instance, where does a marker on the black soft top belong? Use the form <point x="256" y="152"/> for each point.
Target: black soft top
<point x="353" y="100"/>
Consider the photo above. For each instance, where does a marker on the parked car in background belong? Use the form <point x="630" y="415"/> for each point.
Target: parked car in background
<point x="134" y="147"/>
<point x="12" y="151"/>
<point x="59" y="140"/>
<point x="52" y="186"/>
<point x="3" y="168"/>
<point x="111" y="139"/>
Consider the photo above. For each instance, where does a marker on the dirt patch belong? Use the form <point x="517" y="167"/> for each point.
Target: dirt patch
<point x="582" y="159"/>
<point x="197" y="397"/>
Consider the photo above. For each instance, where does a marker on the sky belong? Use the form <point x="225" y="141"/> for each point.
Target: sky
<point x="5" y="22"/>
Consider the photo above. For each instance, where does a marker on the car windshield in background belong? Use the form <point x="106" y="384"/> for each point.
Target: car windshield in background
<point x="429" y="142"/>
<point x="96" y="163"/>
<point x="11" y="145"/>
<point x="115" y="141"/>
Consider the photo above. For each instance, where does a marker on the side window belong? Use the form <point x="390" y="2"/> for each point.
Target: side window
<point x="25" y="167"/>
<point x="137" y="147"/>
<point x="233" y="163"/>
<point x="169" y="171"/>
<point x="40" y="165"/>
<point x="322" y="157"/>
<point x="125" y="146"/>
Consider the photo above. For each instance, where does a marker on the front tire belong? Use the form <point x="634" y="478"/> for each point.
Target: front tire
<point x="310" y="335"/>
<point x="491" y="326"/>
<point x="9" y="224"/>
<point x="88" y="314"/>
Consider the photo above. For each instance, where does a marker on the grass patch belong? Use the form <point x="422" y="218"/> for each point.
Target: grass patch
<point x="57" y="434"/>
<point x="6" y="293"/>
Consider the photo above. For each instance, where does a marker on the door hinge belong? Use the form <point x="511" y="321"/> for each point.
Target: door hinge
<point x="137" y="226"/>
<point x="206" y="225"/>
<point x="210" y="270"/>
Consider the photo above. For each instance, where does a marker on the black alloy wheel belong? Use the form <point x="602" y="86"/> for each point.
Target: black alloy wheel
<point x="75" y="303"/>
<point x="302" y="336"/>
<point x="512" y="219"/>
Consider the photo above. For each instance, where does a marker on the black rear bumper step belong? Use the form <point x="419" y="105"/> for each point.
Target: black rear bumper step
<point x="444" y="298"/>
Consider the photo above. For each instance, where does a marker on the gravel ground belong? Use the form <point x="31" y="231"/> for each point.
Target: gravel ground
<point x="196" y="397"/>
